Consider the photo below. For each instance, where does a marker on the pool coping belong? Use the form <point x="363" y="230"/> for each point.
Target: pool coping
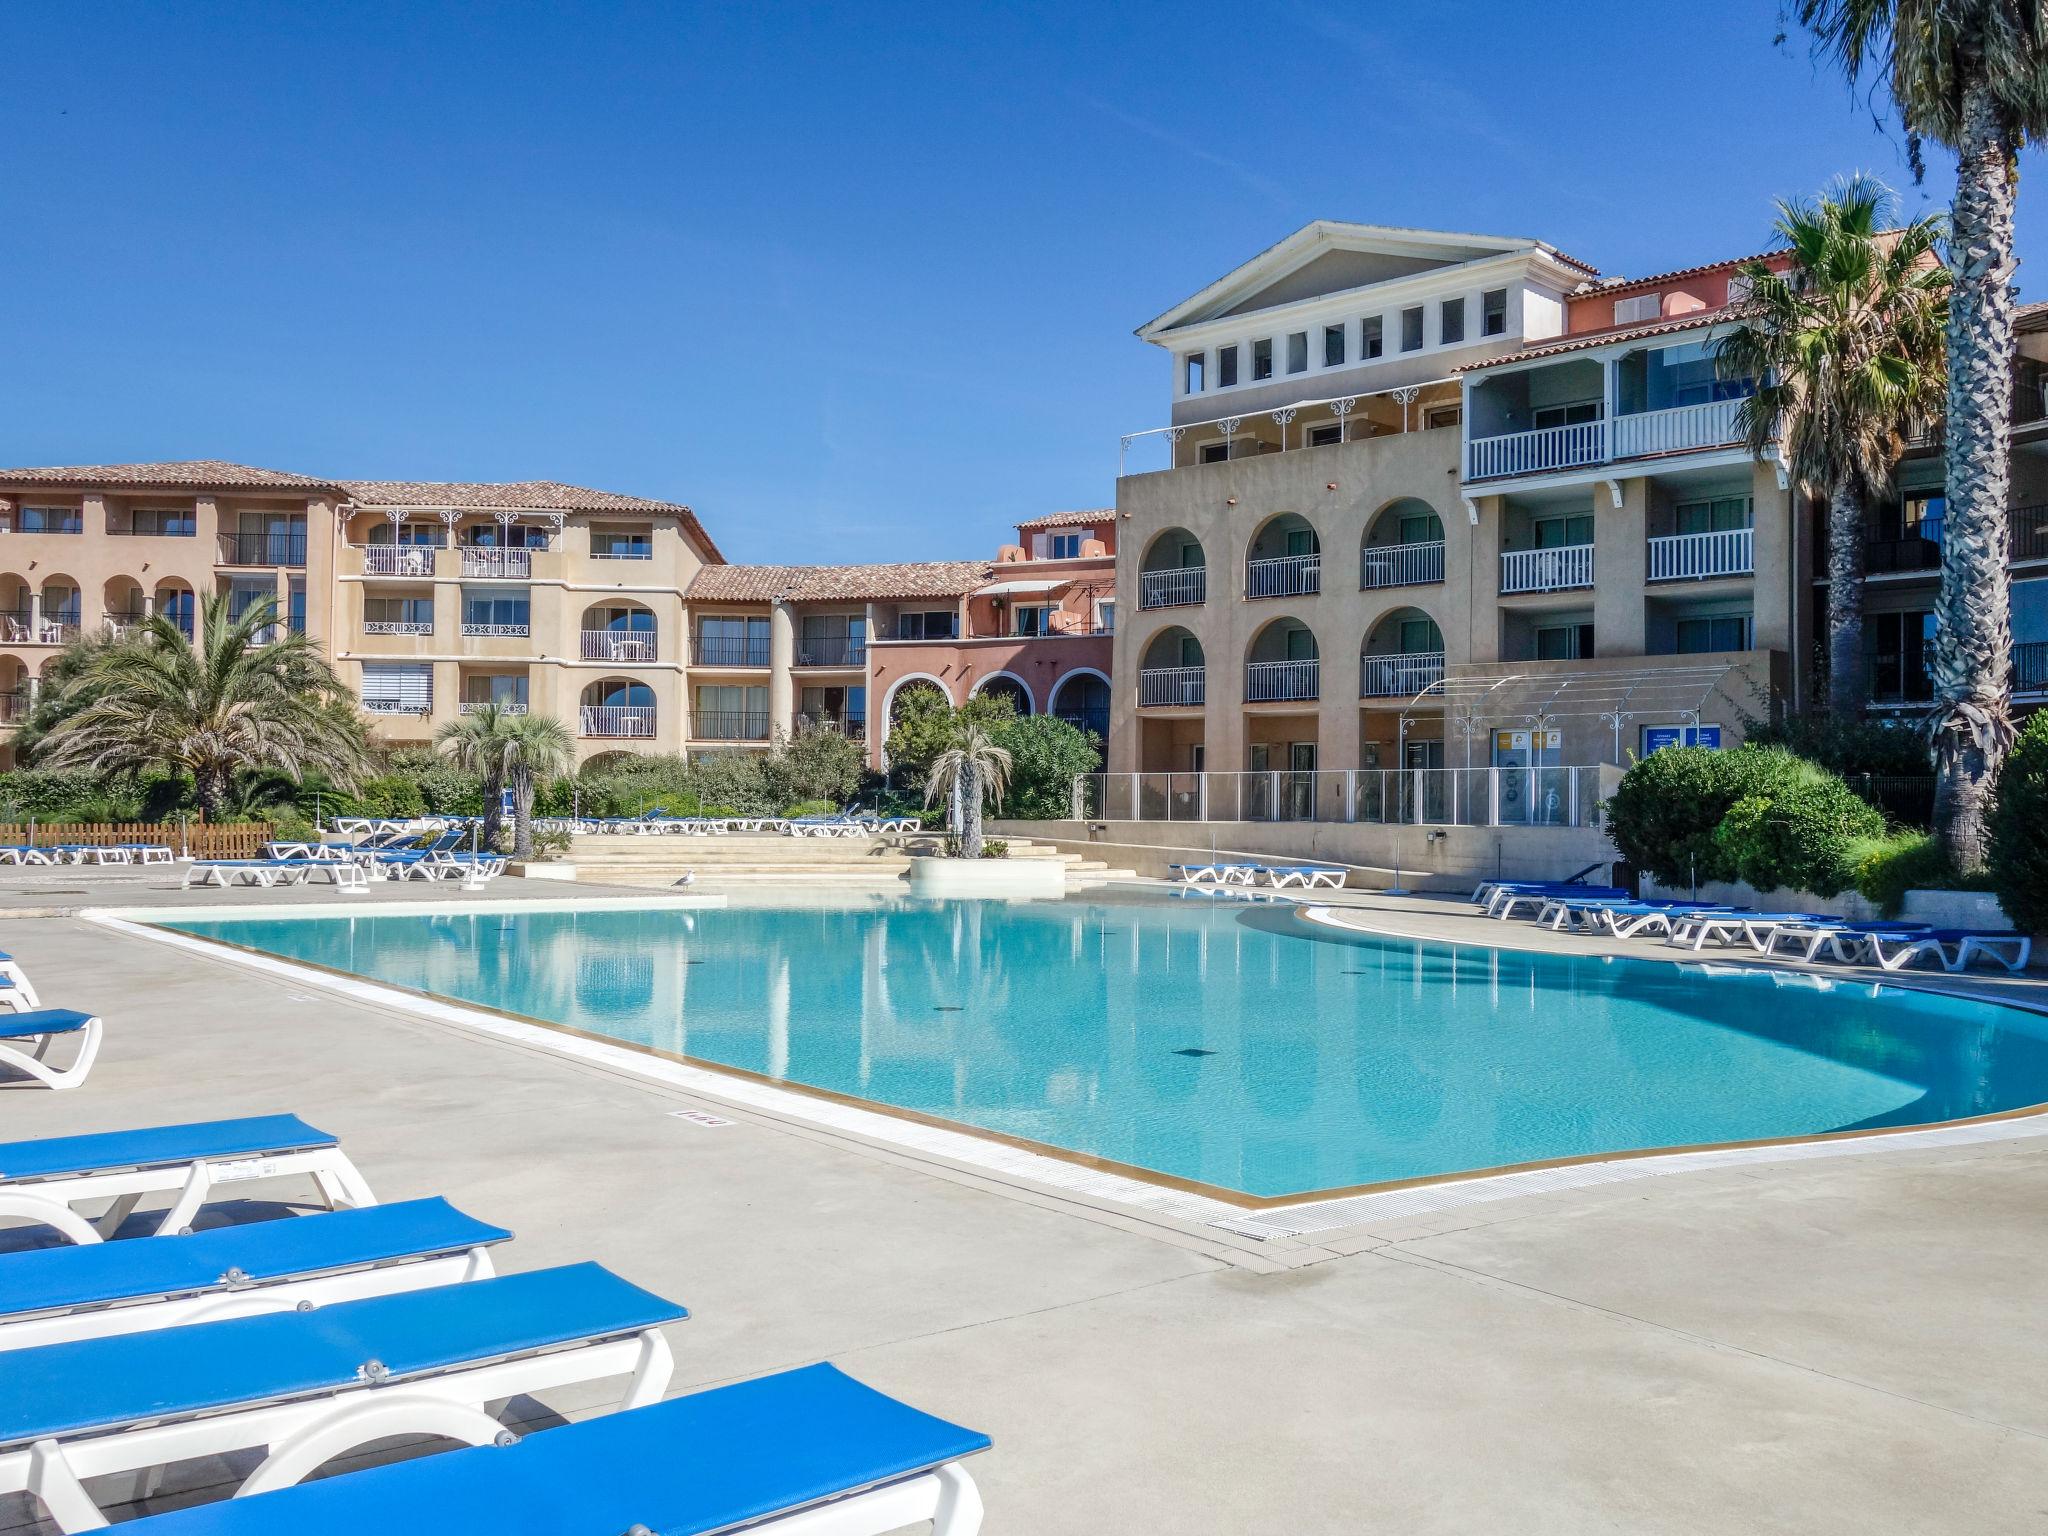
<point x="1057" y="1170"/>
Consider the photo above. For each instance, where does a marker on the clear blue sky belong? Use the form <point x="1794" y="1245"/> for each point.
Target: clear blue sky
<point x="855" y="281"/>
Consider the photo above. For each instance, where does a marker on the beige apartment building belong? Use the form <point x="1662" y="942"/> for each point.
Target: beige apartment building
<point x="1438" y="503"/>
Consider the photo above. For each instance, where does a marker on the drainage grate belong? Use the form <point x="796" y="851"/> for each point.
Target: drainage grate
<point x="1193" y="1050"/>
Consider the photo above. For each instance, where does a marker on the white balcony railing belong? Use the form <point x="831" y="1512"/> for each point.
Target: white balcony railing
<point x="505" y="706"/>
<point x="1172" y="685"/>
<point x="497" y="631"/>
<point x="1547" y="570"/>
<point x="1181" y="588"/>
<point x="1266" y="681"/>
<point x="511" y="564"/>
<point x="1529" y="453"/>
<point x="1400" y="565"/>
<point x="398" y="560"/>
<point x="1697" y="556"/>
<point x="617" y="720"/>
<point x="387" y="705"/>
<point x="619" y="645"/>
<point x="1676" y="430"/>
<point x="1284" y="576"/>
<point x="398" y="626"/>
<point x="1399" y="676"/>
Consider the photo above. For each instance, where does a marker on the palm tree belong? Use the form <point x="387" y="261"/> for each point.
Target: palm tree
<point x="1971" y="75"/>
<point x="238" y="698"/>
<point x="1846" y="349"/>
<point x="480" y="743"/>
<point x="537" y="747"/>
<point x="975" y="768"/>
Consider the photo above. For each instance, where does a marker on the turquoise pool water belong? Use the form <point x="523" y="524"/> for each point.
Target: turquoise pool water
<point x="1234" y="1046"/>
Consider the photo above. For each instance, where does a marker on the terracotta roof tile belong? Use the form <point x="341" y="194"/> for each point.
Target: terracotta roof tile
<point x="524" y="495"/>
<point x="1586" y="339"/>
<point x="184" y="474"/>
<point x="840" y="583"/>
<point x="1070" y="519"/>
<point x="1608" y="286"/>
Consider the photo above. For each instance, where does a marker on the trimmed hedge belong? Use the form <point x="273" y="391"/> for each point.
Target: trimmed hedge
<point x="2019" y="830"/>
<point x="1668" y="807"/>
<point x="1799" y="834"/>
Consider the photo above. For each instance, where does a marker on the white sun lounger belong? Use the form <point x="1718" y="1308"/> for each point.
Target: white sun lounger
<point x="21" y="854"/>
<point x="1216" y="874"/>
<point x="27" y="1038"/>
<point x="149" y="853"/>
<point x="16" y="991"/>
<point x="1953" y="949"/>
<point x="1846" y="942"/>
<point x="809" y="1452"/>
<point x="306" y="1387"/>
<point x="92" y="1290"/>
<point x="44" y="1181"/>
<point x="260" y="872"/>
<point x="1278" y="875"/>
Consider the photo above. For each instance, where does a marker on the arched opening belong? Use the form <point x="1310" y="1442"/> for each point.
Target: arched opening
<point x="122" y="600"/>
<point x="16" y="608"/>
<point x="617" y="706"/>
<point x="1172" y="670"/>
<point x="1284" y="558"/>
<point x="63" y="610"/>
<point x="1403" y="546"/>
<point x="176" y="602"/>
<point x="1003" y="685"/>
<point x="619" y="630"/>
<point x="1282" y="667"/>
<point x="1281" y="663"/>
<point x="1402" y="654"/>
<point x="14" y="688"/>
<point x="1082" y="700"/>
<point x="1173" y="572"/>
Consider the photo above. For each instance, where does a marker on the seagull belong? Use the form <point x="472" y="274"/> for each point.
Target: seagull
<point x="689" y="877"/>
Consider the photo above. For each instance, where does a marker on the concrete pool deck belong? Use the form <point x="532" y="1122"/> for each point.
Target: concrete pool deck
<point x="1842" y="1344"/>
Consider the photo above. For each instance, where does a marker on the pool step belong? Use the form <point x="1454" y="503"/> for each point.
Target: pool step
<point x="662" y="860"/>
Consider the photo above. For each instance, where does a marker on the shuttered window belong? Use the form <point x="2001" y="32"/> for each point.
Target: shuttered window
<point x="398" y="688"/>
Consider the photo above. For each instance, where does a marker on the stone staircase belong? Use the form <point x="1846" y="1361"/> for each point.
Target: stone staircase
<point x="751" y="856"/>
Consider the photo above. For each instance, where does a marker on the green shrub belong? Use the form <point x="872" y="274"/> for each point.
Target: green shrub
<point x="994" y="848"/>
<point x="2019" y="830"/>
<point x="736" y="779"/>
<point x="809" y="808"/>
<point x="1797" y="834"/>
<point x="1847" y="746"/>
<point x="1666" y="810"/>
<point x="814" y="764"/>
<point x="1045" y="754"/>
<point x="1889" y="866"/>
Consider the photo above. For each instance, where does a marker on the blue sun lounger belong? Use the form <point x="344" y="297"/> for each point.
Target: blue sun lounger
<point x="90" y="1290"/>
<point x="810" y="1450"/>
<point x="303" y="1388"/>
<point x="42" y="1181"/>
<point x="26" y="1039"/>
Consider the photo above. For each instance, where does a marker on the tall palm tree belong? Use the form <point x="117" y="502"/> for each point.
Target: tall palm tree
<point x="537" y="747"/>
<point x="1971" y="75"/>
<point x="977" y="769"/>
<point x="1846" y="348"/>
<point x="481" y="743"/>
<point x="241" y="697"/>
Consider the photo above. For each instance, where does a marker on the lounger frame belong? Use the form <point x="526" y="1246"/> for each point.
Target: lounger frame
<point x="19" y="1055"/>
<point x="52" y="1201"/>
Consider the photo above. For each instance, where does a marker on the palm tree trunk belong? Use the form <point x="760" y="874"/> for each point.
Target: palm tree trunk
<point x="522" y="816"/>
<point x="1848" y="690"/>
<point x="210" y="789"/>
<point x="1973" y="611"/>
<point x="970" y="806"/>
<point x="494" y="809"/>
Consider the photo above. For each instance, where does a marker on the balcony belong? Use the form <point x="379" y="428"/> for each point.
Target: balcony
<point x="1094" y="721"/>
<point x="1400" y="565"/>
<point x="473" y="631"/>
<point x="1680" y="429"/>
<point x="414" y="560"/>
<point x="1546" y="570"/>
<point x="1181" y="588"/>
<point x="832" y="651"/>
<point x="623" y="552"/>
<point x="729" y="725"/>
<point x="1284" y="576"/>
<point x="852" y="727"/>
<point x="629" y="645"/>
<point x="1533" y="453"/>
<point x="1170" y="686"/>
<point x="1630" y="435"/>
<point x="20" y="626"/>
<point x="391" y="706"/>
<point x="497" y="564"/>
<point x="398" y="626"/>
<point x="1267" y="682"/>
<point x="2030" y="666"/>
<point x="738" y="651"/>
<point x="262" y="549"/>
<point x="1702" y="556"/>
<point x="634" y="720"/>
<point x="504" y="707"/>
<point x="1399" y="676"/>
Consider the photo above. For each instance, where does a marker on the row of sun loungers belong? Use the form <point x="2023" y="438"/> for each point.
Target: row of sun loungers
<point x="1809" y="936"/>
<point x="657" y="825"/>
<point x="1276" y="875"/>
<point x="87" y="853"/>
<point x="289" y="1344"/>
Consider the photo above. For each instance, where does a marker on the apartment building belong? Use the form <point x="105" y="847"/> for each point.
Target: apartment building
<point x="616" y="614"/>
<point x="1429" y="501"/>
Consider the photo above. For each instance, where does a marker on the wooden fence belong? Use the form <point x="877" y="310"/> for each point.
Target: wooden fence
<point x="201" y="839"/>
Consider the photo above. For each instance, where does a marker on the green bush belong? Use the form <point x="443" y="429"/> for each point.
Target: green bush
<point x="809" y="808"/>
<point x="1797" y="834"/>
<point x="1889" y="866"/>
<point x="814" y="764"/>
<point x="1045" y="754"/>
<point x="735" y="779"/>
<point x="1666" y="810"/>
<point x="1847" y="746"/>
<point x="443" y="789"/>
<point x="2019" y="830"/>
<point x="994" y="848"/>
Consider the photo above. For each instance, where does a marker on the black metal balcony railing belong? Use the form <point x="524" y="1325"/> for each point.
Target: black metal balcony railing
<point x="720" y="651"/>
<point x="13" y="706"/>
<point x="2030" y="666"/>
<point x="853" y="727"/>
<point x="730" y="725"/>
<point x="1094" y="721"/>
<point x="262" y="549"/>
<point x="832" y="651"/>
<point x="1885" y="557"/>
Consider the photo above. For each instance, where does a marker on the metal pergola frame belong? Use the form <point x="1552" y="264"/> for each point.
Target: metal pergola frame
<point x="1613" y="696"/>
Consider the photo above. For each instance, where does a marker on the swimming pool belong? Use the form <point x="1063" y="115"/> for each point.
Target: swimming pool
<point x="1240" y="1048"/>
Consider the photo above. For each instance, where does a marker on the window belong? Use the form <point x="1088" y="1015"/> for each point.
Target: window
<point x="1563" y="532"/>
<point x="832" y="640"/>
<point x="495" y="613"/>
<point x="165" y="522"/>
<point x="621" y="543"/>
<point x="1333" y="346"/>
<point x="1656" y="379"/>
<point x="1644" y="306"/>
<point x="732" y="642"/>
<point x="506" y="690"/>
<point x="1420" y="528"/>
<point x="1371" y="338"/>
<point x="50" y="520"/>
<point x="1063" y="546"/>
<point x="1192" y="368"/>
<point x="1105" y="616"/>
<point x="1262" y="360"/>
<point x="411" y="535"/>
<point x="1323" y="435"/>
<point x="1411" y="329"/>
<point x="1297" y="352"/>
<point x="1721" y="515"/>
<point x="1565" y="415"/>
<point x="730" y="713"/>
<point x="840" y="708"/>
<point x="398" y="615"/>
<point x="1301" y="645"/>
<point x="1738" y="288"/>
<point x="1898" y="644"/>
<point x="1420" y="635"/>
<point x="940" y="624"/>
<point x="1493" y="312"/>
<point x="1190" y="652"/>
<point x="1564" y="642"/>
<point x="1215" y="453"/>
<point x="1450" y="322"/>
<point x="398" y="688"/>
<point x="1922" y="515"/>
<point x="1713" y="632"/>
<point x="1443" y="416"/>
<point x="1301" y="541"/>
<point x="1226" y="367"/>
<point x="1032" y="618"/>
